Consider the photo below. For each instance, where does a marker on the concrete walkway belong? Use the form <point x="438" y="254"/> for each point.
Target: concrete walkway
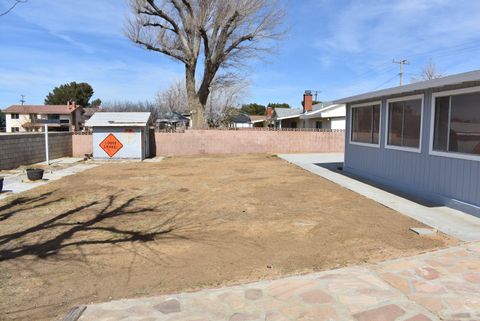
<point x="441" y="285"/>
<point x="16" y="181"/>
<point x="463" y="226"/>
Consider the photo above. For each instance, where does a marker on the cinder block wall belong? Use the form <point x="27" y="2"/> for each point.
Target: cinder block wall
<point x="248" y="141"/>
<point x="81" y="144"/>
<point x="193" y="142"/>
<point x="25" y="149"/>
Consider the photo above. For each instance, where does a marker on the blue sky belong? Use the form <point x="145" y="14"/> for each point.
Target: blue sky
<point x="340" y="47"/>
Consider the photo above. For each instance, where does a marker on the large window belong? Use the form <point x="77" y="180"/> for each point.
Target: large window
<point x="15" y="116"/>
<point x="456" y="123"/>
<point x="366" y="124"/>
<point x="404" y="122"/>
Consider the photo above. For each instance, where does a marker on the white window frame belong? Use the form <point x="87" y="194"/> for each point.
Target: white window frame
<point x="432" y="124"/>
<point x="369" y="104"/>
<point x="403" y="148"/>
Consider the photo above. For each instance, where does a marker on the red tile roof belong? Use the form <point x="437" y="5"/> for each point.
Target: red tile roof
<point x="40" y="109"/>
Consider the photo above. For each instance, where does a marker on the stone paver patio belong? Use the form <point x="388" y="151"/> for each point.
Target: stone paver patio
<point x="441" y="285"/>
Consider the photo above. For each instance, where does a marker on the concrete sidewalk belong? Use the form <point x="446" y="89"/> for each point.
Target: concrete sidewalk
<point x="16" y="181"/>
<point x="441" y="285"/>
<point x="463" y="226"/>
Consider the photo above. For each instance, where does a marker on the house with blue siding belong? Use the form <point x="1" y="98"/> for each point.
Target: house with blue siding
<point x="422" y="139"/>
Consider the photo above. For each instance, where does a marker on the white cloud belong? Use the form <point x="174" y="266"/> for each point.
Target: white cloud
<point x="87" y="16"/>
<point x="391" y="28"/>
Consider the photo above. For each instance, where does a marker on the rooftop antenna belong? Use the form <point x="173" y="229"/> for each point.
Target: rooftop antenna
<point x="22" y="99"/>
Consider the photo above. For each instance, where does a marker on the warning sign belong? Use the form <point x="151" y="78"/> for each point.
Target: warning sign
<point x="111" y="145"/>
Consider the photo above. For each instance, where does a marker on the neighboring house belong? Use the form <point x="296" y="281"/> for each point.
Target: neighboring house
<point x="258" y="121"/>
<point x="2" y="122"/>
<point x="325" y="116"/>
<point x="422" y="138"/>
<point x="319" y="116"/>
<point x="33" y="118"/>
<point x="247" y="121"/>
<point x="88" y="112"/>
<point x="172" y="120"/>
<point x="284" y="117"/>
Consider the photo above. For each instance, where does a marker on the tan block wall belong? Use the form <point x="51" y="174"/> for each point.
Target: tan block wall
<point x="248" y="141"/>
<point x="81" y="145"/>
<point x="193" y="142"/>
<point x="29" y="148"/>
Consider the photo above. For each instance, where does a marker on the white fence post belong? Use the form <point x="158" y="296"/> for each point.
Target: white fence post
<point x="46" y="145"/>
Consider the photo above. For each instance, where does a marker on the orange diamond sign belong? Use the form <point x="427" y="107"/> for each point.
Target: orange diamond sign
<point x="111" y="145"/>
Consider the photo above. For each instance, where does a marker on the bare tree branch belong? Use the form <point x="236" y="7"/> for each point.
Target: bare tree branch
<point x="13" y="7"/>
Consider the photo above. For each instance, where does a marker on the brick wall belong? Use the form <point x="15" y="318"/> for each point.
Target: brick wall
<point x="26" y="149"/>
<point x="194" y="142"/>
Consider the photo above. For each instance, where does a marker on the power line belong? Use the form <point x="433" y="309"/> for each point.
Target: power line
<point x="384" y="83"/>
<point x="447" y="51"/>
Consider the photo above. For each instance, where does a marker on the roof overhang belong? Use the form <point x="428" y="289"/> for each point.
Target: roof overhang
<point x="120" y="124"/>
<point x="331" y="111"/>
<point x="119" y="119"/>
<point x="458" y="79"/>
<point x="287" y="117"/>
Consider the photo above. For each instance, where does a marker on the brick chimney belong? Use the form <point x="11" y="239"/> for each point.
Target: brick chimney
<point x="307" y="101"/>
<point x="269" y="112"/>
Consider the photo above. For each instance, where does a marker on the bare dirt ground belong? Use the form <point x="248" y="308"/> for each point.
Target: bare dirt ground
<point x="140" y="229"/>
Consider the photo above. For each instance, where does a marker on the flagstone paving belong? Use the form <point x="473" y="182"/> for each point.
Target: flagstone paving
<point x="441" y="285"/>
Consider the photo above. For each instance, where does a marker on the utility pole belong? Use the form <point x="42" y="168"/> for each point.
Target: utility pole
<point x="22" y="99"/>
<point x="316" y="92"/>
<point x="401" y="62"/>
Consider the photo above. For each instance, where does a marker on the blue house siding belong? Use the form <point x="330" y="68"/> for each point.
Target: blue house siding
<point x="449" y="181"/>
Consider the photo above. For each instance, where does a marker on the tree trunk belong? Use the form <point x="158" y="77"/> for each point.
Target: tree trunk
<point x="198" y="115"/>
<point x="196" y="107"/>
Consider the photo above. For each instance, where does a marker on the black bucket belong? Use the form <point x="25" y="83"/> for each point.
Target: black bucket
<point x="34" y="174"/>
<point x="1" y="184"/>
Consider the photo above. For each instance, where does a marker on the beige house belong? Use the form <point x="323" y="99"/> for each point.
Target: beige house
<point x="325" y="116"/>
<point x="319" y="116"/>
<point x="33" y="118"/>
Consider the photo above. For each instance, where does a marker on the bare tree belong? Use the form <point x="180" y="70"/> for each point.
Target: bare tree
<point x="129" y="106"/>
<point x="428" y="72"/>
<point x="222" y="99"/>
<point x="173" y="99"/>
<point x="15" y="3"/>
<point x="223" y="95"/>
<point x="221" y="32"/>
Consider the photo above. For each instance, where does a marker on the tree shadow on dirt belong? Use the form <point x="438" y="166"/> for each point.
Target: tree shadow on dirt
<point x="74" y="229"/>
<point x="23" y="203"/>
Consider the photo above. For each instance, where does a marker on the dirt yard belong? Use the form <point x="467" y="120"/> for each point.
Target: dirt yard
<point x="141" y="229"/>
